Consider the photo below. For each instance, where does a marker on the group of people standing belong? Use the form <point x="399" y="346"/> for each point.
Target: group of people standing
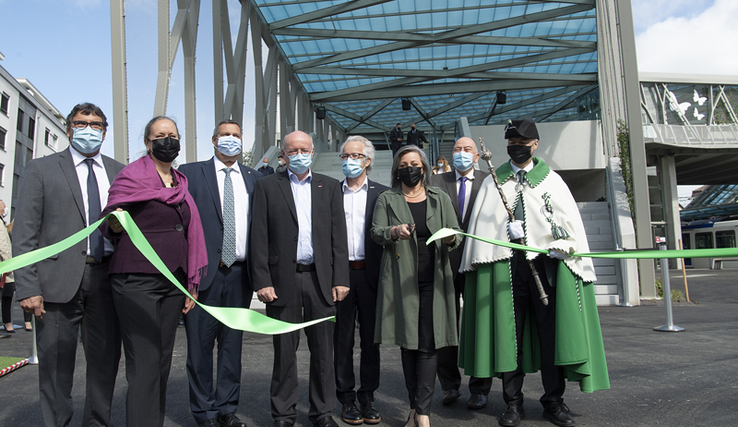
<point x="354" y="249"/>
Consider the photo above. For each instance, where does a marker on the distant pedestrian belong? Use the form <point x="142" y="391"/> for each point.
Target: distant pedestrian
<point x="265" y="169"/>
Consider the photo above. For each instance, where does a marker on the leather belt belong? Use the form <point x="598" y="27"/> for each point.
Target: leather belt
<point x="302" y="268"/>
<point x="357" y="265"/>
<point x="237" y="263"/>
<point x="92" y="260"/>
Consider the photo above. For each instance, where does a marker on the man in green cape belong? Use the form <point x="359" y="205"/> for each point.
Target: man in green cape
<point x="507" y="329"/>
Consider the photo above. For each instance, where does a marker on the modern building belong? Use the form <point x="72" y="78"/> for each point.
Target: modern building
<point x="30" y="127"/>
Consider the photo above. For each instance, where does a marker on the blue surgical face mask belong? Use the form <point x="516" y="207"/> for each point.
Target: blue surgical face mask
<point x="229" y="145"/>
<point x="87" y="140"/>
<point x="300" y="163"/>
<point x="352" y="168"/>
<point x="463" y="161"/>
<point x="440" y="164"/>
<point x="264" y="164"/>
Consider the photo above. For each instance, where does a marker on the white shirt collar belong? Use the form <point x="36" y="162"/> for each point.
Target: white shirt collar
<point x="219" y="166"/>
<point x="527" y="169"/>
<point x="364" y="185"/>
<point x="296" y="180"/>
<point x="469" y="176"/>
<point x="78" y="158"/>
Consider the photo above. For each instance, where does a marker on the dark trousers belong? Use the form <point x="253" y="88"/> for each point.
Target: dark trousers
<point x="148" y="306"/>
<point x="361" y="304"/>
<point x="305" y="303"/>
<point x="207" y="400"/>
<point x="419" y="368"/>
<point x="7" y="303"/>
<point x="448" y="357"/>
<point x="57" y="336"/>
<point x="526" y="297"/>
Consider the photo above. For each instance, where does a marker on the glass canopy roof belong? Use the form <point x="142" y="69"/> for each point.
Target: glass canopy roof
<point x="450" y="58"/>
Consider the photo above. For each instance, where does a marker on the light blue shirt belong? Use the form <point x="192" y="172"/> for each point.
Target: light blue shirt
<point x="301" y="193"/>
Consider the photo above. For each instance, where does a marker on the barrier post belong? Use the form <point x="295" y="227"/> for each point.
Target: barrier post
<point x="666" y="286"/>
<point x="33" y="360"/>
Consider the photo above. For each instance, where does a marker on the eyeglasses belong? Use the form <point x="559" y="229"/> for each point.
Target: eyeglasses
<point x="79" y="124"/>
<point x="298" y="151"/>
<point x="465" y="149"/>
<point x="355" y="156"/>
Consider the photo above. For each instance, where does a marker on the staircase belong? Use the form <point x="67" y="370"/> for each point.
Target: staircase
<point x="598" y="225"/>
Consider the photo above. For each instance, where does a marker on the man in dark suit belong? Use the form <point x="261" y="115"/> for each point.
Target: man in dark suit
<point x="265" y="169"/>
<point x="415" y="136"/>
<point x="469" y="180"/>
<point x="359" y="198"/>
<point x="60" y="195"/>
<point x="225" y="210"/>
<point x="396" y="138"/>
<point x="300" y="271"/>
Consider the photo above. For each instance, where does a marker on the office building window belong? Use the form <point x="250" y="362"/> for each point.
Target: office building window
<point x="2" y="175"/>
<point x="31" y="127"/>
<point x="46" y="137"/>
<point x="4" y="103"/>
<point x="19" y="124"/>
<point x="3" y="133"/>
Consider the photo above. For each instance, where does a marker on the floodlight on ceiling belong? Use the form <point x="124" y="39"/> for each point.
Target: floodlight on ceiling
<point x="501" y="98"/>
<point x="320" y="113"/>
<point x="406" y="104"/>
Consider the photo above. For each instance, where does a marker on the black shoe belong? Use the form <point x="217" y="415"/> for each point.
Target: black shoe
<point x="281" y="424"/>
<point x="213" y="422"/>
<point x="370" y="413"/>
<point x="327" y="421"/>
<point x="477" y="401"/>
<point x="350" y="414"/>
<point x="512" y="416"/>
<point x="558" y="413"/>
<point x="450" y="396"/>
<point x="230" y="420"/>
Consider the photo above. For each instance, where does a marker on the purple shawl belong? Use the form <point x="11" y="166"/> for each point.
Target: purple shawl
<point x="139" y="182"/>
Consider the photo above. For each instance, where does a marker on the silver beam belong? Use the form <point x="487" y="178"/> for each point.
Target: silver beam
<point x="120" y="90"/>
<point x="325" y="12"/>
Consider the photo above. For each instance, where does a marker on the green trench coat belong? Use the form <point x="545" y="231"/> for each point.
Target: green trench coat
<point x="397" y="296"/>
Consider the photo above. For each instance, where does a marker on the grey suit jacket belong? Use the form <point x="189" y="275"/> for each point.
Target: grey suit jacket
<point x="274" y="231"/>
<point x="51" y="208"/>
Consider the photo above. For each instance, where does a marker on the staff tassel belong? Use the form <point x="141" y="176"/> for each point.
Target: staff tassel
<point x="487" y="157"/>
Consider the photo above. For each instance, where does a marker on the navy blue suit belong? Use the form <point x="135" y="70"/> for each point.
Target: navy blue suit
<point x="223" y="287"/>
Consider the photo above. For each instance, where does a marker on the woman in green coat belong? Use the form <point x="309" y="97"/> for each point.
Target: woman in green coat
<point x="416" y="303"/>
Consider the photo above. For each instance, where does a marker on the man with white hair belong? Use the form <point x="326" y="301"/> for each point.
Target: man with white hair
<point x="359" y="198"/>
<point x="300" y="272"/>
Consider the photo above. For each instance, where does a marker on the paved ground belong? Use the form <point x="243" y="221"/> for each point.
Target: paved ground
<point x="687" y="378"/>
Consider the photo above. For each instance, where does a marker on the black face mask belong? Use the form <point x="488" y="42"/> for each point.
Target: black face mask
<point x="165" y="149"/>
<point x="410" y="175"/>
<point x="519" y="153"/>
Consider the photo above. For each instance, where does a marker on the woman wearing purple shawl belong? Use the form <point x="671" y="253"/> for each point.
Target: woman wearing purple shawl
<point x="147" y="303"/>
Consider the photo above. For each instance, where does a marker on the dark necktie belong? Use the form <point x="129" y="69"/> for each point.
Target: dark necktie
<point x="462" y="195"/>
<point x="228" y="255"/>
<point x="97" y="245"/>
<point x="519" y="214"/>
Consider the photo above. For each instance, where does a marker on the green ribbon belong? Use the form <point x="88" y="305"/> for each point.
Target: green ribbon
<point x="235" y="318"/>
<point x="627" y="254"/>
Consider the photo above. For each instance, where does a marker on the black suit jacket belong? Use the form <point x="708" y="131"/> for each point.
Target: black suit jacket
<point x="447" y="182"/>
<point x="415" y="138"/>
<point x="203" y="186"/>
<point x="51" y="208"/>
<point x="274" y="230"/>
<point x="372" y="251"/>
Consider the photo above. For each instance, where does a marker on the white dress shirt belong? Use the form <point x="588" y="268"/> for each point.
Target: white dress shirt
<point x="103" y="186"/>
<point x="302" y="195"/>
<point x="240" y="204"/>
<point x="468" y="187"/>
<point x="354" y="206"/>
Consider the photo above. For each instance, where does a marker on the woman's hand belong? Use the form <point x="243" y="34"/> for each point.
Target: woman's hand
<point x="402" y="231"/>
<point x="114" y="224"/>
<point x="449" y="240"/>
<point x="189" y="304"/>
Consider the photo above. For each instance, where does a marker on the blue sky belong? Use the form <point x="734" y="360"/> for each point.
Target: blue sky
<point x="63" y="48"/>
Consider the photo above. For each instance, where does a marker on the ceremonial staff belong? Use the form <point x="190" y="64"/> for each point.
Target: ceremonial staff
<point x="487" y="157"/>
